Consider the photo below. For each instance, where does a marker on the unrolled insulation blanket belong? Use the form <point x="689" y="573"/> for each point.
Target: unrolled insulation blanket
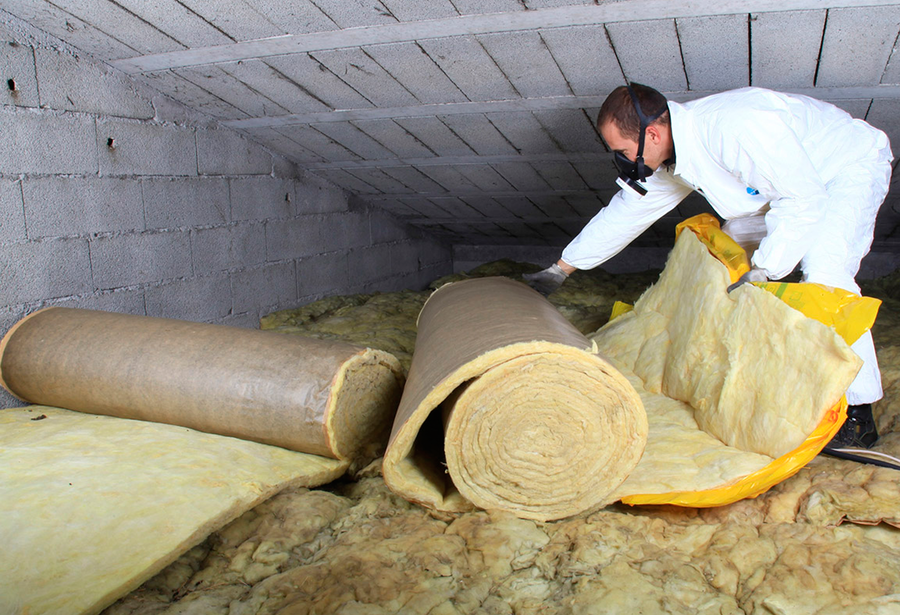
<point x="535" y="422"/>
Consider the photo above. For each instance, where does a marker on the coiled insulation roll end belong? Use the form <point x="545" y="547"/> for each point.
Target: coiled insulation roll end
<point x="531" y="421"/>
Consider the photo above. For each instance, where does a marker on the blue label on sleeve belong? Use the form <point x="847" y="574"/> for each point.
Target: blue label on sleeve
<point x="752" y="191"/>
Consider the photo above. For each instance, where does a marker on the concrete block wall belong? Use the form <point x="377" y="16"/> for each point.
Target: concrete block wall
<point x="114" y="197"/>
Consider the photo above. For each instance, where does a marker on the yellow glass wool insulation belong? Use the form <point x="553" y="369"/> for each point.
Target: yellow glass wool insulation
<point x="534" y="422"/>
<point x="730" y="381"/>
<point x="92" y="506"/>
<point x="353" y="546"/>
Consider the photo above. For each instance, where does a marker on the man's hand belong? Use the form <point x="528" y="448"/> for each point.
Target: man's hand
<point x="754" y="275"/>
<point x="546" y="281"/>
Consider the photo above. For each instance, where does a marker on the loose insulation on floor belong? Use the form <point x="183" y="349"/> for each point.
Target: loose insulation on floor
<point x="355" y="547"/>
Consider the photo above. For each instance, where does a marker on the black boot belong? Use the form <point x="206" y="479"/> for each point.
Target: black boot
<point x="858" y="430"/>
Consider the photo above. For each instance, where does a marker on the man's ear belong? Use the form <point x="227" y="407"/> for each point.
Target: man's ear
<point x="654" y="133"/>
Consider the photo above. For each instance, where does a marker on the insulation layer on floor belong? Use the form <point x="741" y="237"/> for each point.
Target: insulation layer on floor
<point x="92" y="506"/>
<point x="354" y="547"/>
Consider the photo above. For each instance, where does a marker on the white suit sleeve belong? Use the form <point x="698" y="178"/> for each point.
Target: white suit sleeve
<point x="622" y="220"/>
<point x="771" y="159"/>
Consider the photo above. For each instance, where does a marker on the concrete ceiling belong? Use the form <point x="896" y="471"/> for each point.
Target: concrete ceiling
<point x="474" y="118"/>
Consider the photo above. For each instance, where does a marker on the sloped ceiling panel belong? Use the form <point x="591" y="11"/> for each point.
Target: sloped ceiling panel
<point x="474" y="119"/>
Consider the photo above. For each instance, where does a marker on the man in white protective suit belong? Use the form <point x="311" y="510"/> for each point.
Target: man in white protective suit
<point x="803" y="172"/>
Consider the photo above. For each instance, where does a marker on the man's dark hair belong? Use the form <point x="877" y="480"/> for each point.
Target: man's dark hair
<point x="618" y="108"/>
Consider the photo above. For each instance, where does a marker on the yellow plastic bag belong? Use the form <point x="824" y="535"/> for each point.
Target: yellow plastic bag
<point x="847" y="313"/>
<point x="719" y="244"/>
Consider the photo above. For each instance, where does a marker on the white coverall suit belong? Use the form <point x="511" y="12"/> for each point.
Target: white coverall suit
<point x="822" y="173"/>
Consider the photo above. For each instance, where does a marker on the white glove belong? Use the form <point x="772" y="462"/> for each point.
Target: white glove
<point x="546" y="281"/>
<point x="754" y="275"/>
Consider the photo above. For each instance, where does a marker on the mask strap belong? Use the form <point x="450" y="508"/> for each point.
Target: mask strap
<point x="645" y="121"/>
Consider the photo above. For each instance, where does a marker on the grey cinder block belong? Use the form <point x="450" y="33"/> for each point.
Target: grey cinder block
<point x="527" y="63"/>
<point x="246" y="320"/>
<point x="385" y="228"/>
<point x="77" y="32"/>
<point x="351" y="13"/>
<point x="561" y="176"/>
<point x="857" y="45"/>
<point x="479" y="134"/>
<point x="323" y="274"/>
<point x="215" y="79"/>
<point x="19" y="84"/>
<point x="260" y="198"/>
<point x="572" y="129"/>
<point x="228" y="247"/>
<point x="586" y="59"/>
<point x="319" y="81"/>
<point x="185" y="202"/>
<point x="315" y="196"/>
<point x="467" y="7"/>
<point x="412" y="179"/>
<point x="272" y="286"/>
<point x="657" y="65"/>
<point x="57" y="206"/>
<point x="294" y="17"/>
<point x="142" y="37"/>
<point x="137" y="258"/>
<point x="405" y="257"/>
<point x="48" y="142"/>
<point x="369" y="264"/>
<point x="238" y="20"/>
<point x="296" y="238"/>
<point x="415" y="10"/>
<point x="524" y="131"/>
<point x="784" y="47"/>
<point x="434" y="133"/>
<point x="12" y="212"/>
<point x="416" y="71"/>
<point x="204" y="299"/>
<point x="380" y="180"/>
<point x="145" y="148"/>
<point x="366" y="76"/>
<point x="342" y="179"/>
<point x="45" y="269"/>
<point x="180" y="89"/>
<point x="73" y="83"/>
<point x="354" y="140"/>
<point x="715" y="51"/>
<point x="473" y="71"/>
<point x="394" y="137"/>
<point x="224" y="152"/>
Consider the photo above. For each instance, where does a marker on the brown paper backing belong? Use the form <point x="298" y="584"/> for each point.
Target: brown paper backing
<point x="254" y="385"/>
<point x="465" y="329"/>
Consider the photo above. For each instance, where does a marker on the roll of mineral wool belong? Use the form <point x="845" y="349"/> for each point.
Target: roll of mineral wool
<point x="309" y="395"/>
<point x="508" y="401"/>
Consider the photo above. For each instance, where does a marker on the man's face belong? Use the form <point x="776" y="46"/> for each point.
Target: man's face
<point x="653" y="152"/>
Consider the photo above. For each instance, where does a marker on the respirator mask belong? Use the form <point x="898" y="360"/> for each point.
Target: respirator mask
<point x="633" y="174"/>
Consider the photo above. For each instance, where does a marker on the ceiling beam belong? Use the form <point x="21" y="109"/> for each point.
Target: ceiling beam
<point x="523" y="104"/>
<point x="608" y="12"/>
<point x="387" y="163"/>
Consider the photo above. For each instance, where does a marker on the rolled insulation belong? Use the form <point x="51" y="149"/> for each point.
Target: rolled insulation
<point x="314" y="396"/>
<point x="535" y="422"/>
